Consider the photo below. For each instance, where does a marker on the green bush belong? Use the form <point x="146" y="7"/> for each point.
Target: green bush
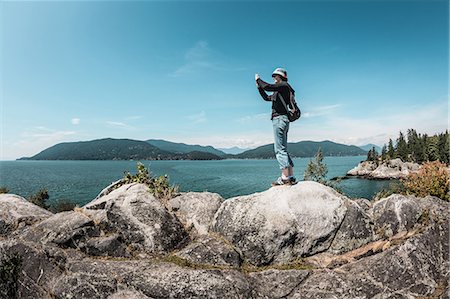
<point x="4" y="190"/>
<point x="158" y="186"/>
<point x="394" y="188"/>
<point x="142" y="176"/>
<point x="10" y="267"/>
<point x="62" y="206"/>
<point x="161" y="189"/>
<point x="316" y="169"/>
<point x="432" y="179"/>
<point x="40" y="198"/>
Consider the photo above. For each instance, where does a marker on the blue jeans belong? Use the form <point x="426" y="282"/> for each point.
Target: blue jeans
<point x="280" y="130"/>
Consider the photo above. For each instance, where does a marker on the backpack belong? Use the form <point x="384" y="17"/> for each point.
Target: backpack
<point x="294" y="114"/>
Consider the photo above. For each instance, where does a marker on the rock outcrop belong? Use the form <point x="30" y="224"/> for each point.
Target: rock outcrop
<point x="143" y="222"/>
<point x="211" y="250"/>
<point x="16" y="213"/>
<point x="279" y="225"/>
<point x="301" y="241"/>
<point x="392" y="169"/>
<point x="196" y="210"/>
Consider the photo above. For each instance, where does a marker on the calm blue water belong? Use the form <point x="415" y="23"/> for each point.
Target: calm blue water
<point x="81" y="181"/>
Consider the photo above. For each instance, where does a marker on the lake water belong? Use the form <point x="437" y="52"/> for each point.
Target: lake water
<point x="81" y="181"/>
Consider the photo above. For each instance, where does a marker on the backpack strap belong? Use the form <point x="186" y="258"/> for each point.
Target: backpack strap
<point x="284" y="103"/>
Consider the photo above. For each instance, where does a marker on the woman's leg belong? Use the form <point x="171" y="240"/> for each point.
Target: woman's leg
<point x="280" y="129"/>
<point x="288" y="172"/>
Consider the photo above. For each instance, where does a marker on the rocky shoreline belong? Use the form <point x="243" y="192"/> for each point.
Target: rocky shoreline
<point x="391" y="169"/>
<point x="302" y="241"/>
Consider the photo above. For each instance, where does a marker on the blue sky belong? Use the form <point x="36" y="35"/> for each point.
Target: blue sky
<point x="184" y="71"/>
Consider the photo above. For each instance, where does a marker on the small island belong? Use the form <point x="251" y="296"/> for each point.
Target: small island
<point x="405" y="158"/>
<point x="386" y="170"/>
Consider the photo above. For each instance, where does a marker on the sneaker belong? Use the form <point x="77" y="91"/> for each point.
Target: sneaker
<point x="293" y="180"/>
<point x="281" y="182"/>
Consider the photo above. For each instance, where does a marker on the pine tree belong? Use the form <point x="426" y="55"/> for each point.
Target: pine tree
<point x="384" y="154"/>
<point x="433" y="148"/>
<point x="418" y="148"/>
<point x="413" y="145"/>
<point x="402" y="148"/>
<point x="369" y="155"/>
<point x="391" y="150"/>
<point x="316" y="169"/>
<point x="423" y="156"/>
<point x="444" y="150"/>
<point x="372" y="155"/>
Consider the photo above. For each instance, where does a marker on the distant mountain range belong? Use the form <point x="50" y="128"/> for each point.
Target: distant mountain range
<point x="305" y="149"/>
<point x="182" y="148"/>
<point x="233" y="150"/>
<point x="369" y="146"/>
<point x="127" y="149"/>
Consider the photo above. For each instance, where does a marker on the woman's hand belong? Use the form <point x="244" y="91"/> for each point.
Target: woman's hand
<point x="256" y="77"/>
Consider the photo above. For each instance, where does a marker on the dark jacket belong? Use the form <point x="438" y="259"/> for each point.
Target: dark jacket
<point x="282" y="88"/>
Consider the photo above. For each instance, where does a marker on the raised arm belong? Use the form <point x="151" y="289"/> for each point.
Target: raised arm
<point x="269" y="87"/>
<point x="264" y="95"/>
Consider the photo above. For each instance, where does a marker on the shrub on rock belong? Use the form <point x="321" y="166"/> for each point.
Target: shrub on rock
<point x="432" y="179"/>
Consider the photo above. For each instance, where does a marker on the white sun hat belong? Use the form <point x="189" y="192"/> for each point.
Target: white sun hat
<point x="281" y="72"/>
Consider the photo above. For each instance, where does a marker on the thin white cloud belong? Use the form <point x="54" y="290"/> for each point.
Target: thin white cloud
<point x="255" y="117"/>
<point x="200" y="51"/>
<point x="430" y="119"/>
<point x="201" y="58"/>
<point x="37" y="139"/>
<point x="121" y="125"/>
<point x="46" y="133"/>
<point x="75" y="121"/>
<point x="198" y="118"/>
<point x="320" y="111"/>
<point x="41" y="128"/>
<point x="242" y="140"/>
<point x="360" y="130"/>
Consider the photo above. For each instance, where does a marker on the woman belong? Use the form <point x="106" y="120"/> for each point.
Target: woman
<point x="281" y="92"/>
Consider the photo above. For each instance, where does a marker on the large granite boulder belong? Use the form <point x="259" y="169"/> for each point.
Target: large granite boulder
<point x="398" y="213"/>
<point x="128" y="294"/>
<point x="106" y="279"/>
<point x="275" y="283"/>
<point x="282" y="223"/>
<point x="142" y="221"/>
<point x="111" y="187"/>
<point x="65" y="229"/>
<point x="16" y="213"/>
<point x="355" y="230"/>
<point x="38" y="266"/>
<point x="418" y="268"/>
<point x="196" y="210"/>
<point x="108" y="246"/>
<point x="211" y="250"/>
